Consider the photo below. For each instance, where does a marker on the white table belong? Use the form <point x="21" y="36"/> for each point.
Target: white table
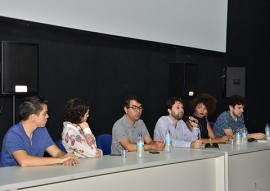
<point x="247" y="166"/>
<point x="182" y="169"/>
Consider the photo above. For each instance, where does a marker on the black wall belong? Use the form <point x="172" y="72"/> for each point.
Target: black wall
<point x="104" y="69"/>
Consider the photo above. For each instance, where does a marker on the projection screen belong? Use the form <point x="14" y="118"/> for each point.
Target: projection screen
<point x="192" y="23"/>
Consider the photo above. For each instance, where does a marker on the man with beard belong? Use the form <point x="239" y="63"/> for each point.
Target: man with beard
<point x="181" y="135"/>
<point x="230" y="121"/>
<point x="126" y="130"/>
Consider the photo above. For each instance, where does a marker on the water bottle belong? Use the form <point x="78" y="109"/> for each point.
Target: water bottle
<point x="168" y="141"/>
<point x="244" y="135"/>
<point x="140" y="146"/>
<point x="267" y="131"/>
<point x="238" y="138"/>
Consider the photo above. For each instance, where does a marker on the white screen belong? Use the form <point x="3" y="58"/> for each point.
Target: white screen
<point x="193" y="23"/>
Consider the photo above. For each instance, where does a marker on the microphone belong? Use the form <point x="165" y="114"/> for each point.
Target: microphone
<point x="185" y="118"/>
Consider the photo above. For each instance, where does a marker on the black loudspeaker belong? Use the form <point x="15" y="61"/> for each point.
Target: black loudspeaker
<point x="19" y="67"/>
<point x="183" y="78"/>
<point x="235" y="81"/>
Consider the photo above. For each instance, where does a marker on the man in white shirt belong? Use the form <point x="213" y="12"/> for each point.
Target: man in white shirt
<point x="181" y="135"/>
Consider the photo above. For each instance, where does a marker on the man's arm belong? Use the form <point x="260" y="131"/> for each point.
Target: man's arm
<point x="127" y="145"/>
<point x="256" y="135"/>
<point x="149" y="144"/>
<point x="27" y="160"/>
<point x="153" y="145"/>
<point x="69" y="159"/>
<point x="54" y="151"/>
<point x="229" y="133"/>
<point x="160" y="129"/>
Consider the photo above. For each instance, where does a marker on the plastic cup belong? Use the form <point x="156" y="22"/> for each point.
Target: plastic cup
<point x="124" y="153"/>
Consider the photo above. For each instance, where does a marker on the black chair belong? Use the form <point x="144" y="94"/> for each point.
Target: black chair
<point x="104" y="142"/>
<point x="60" y="145"/>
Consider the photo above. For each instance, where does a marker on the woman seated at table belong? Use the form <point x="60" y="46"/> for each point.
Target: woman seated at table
<point x="77" y="137"/>
<point x="204" y="105"/>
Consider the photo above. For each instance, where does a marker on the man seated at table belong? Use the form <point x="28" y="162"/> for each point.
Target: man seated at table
<point x="230" y="121"/>
<point x="180" y="133"/>
<point x="125" y="130"/>
<point x="25" y="143"/>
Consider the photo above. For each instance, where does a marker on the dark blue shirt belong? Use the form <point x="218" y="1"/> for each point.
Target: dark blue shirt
<point x="225" y="121"/>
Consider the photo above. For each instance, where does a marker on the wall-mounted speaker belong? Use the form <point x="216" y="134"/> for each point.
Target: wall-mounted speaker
<point x="19" y="67"/>
<point x="235" y="81"/>
<point x="183" y="79"/>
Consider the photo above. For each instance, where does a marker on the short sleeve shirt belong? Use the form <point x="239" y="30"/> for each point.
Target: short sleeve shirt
<point x="122" y="129"/>
<point x="225" y="121"/>
<point x="17" y="139"/>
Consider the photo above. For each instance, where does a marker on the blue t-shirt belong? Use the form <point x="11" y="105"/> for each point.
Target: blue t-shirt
<point x="16" y="139"/>
<point x="225" y="121"/>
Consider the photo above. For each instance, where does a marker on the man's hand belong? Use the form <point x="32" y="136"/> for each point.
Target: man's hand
<point x="196" y="144"/>
<point x="69" y="160"/>
<point x="158" y="145"/>
<point x="257" y="135"/>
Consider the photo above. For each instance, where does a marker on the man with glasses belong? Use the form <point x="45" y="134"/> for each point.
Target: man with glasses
<point x="181" y="135"/>
<point x="126" y="130"/>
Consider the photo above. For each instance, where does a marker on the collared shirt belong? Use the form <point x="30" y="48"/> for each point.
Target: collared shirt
<point x="225" y="121"/>
<point x="122" y="129"/>
<point x="181" y="135"/>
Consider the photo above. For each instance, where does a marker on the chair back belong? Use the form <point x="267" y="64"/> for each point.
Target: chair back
<point x="104" y="142"/>
<point x="212" y="124"/>
<point x="60" y="145"/>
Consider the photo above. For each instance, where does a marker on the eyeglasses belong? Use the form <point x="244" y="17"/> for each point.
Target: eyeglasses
<point x="135" y="108"/>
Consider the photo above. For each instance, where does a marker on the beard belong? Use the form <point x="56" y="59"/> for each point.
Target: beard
<point x="136" y="117"/>
<point x="237" y="115"/>
<point x="177" y="116"/>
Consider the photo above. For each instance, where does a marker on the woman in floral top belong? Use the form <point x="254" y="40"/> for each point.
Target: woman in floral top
<point x="77" y="137"/>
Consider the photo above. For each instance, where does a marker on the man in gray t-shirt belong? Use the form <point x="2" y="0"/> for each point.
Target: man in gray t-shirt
<point x="125" y="130"/>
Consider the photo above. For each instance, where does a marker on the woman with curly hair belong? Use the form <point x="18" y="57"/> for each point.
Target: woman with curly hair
<point x="204" y="105"/>
<point x="77" y="137"/>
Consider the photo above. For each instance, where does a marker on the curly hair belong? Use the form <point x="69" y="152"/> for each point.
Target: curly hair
<point x="236" y="100"/>
<point x="74" y="110"/>
<point x="208" y="100"/>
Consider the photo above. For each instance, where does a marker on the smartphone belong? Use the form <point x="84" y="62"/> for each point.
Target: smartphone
<point x="114" y="154"/>
<point x="154" y="152"/>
